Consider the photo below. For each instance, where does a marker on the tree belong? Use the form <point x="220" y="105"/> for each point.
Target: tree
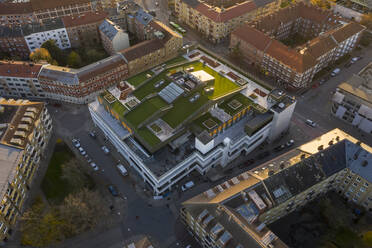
<point x="367" y="20"/>
<point x="92" y="55"/>
<point x="325" y="4"/>
<point x="54" y="51"/>
<point x="41" y="54"/>
<point x="74" y="60"/>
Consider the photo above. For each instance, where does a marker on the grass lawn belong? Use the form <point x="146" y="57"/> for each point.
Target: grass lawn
<point x="182" y="109"/>
<point x="53" y="185"/>
<point x="222" y="85"/>
<point x="245" y="101"/>
<point x="148" y="136"/>
<point x="149" y="87"/>
<point x="204" y="118"/>
<point x="145" y="110"/>
<point x="139" y="78"/>
<point x="176" y="60"/>
<point x="119" y="108"/>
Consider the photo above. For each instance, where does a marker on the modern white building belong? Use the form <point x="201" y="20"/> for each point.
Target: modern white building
<point x="20" y="80"/>
<point x="213" y="135"/>
<point x="36" y="34"/>
<point x="352" y="101"/>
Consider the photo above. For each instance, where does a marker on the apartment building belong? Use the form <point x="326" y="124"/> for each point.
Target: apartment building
<point x="113" y="38"/>
<point x="236" y="213"/>
<point x="16" y="13"/>
<point x="352" y="100"/>
<point x="216" y="22"/>
<point x="259" y="42"/>
<point x="39" y="10"/>
<point x="25" y="131"/>
<point x="82" y="30"/>
<point x="12" y="42"/>
<point x="165" y="45"/>
<point x="82" y="85"/>
<point x="363" y="3"/>
<point x="35" y="34"/>
<point x="166" y="141"/>
<point x="20" y="80"/>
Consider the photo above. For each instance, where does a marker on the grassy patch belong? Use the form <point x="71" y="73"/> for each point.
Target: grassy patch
<point x="226" y="106"/>
<point x="54" y="186"/>
<point x="148" y="136"/>
<point x="139" y="78"/>
<point x="149" y="87"/>
<point x="182" y="109"/>
<point x="205" y="118"/>
<point x="119" y="108"/>
<point x="176" y="60"/>
<point x="145" y="110"/>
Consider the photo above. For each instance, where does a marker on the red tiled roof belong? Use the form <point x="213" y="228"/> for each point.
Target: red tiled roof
<point x="83" y="19"/>
<point x="50" y="4"/>
<point x="15" y="8"/>
<point x="346" y="31"/>
<point x="141" y="49"/>
<point x="225" y="15"/>
<point x="19" y="69"/>
<point x="256" y="38"/>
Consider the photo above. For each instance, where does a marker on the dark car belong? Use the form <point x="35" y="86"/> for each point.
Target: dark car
<point x="279" y="148"/>
<point x="348" y="64"/>
<point x="93" y="134"/>
<point x="113" y="190"/>
<point x="290" y="143"/>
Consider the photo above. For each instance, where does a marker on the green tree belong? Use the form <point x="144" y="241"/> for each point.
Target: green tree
<point x="41" y="54"/>
<point x="74" y="60"/>
<point x="54" y="51"/>
<point x="92" y="55"/>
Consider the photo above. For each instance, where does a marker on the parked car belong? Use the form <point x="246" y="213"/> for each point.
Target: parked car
<point x="310" y="123"/>
<point x="105" y="150"/>
<point x="93" y="134"/>
<point x="89" y="160"/>
<point x="279" y="148"/>
<point x="94" y="166"/>
<point x="290" y="143"/>
<point x="122" y="170"/>
<point x="76" y="143"/>
<point x="112" y="189"/>
<point x="187" y="186"/>
<point x="82" y="151"/>
<point x="355" y="59"/>
<point x="335" y="72"/>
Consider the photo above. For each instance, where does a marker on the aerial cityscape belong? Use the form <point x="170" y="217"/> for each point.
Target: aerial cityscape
<point x="186" y="123"/>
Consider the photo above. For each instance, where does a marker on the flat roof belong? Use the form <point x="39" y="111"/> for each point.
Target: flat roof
<point x="202" y="75"/>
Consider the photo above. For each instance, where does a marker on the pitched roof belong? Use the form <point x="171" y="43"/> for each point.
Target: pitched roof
<point x="46" y="25"/>
<point x="141" y="49"/>
<point x="50" y="4"/>
<point x="19" y="69"/>
<point x="346" y="31"/>
<point x="12" y="31"/>
<point x="83" y="19"/>
<point x="255" y="37"/>
<point x="15" y="8"/>
<point x="109" y="28"/>
<point x="222" y="15"/>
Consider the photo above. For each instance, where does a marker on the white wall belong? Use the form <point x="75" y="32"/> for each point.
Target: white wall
<point x="281" y="121"/>
<point x="120" y="41"/>
<point x="35" y="40"/>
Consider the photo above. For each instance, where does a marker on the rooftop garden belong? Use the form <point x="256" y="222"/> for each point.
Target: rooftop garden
<point x="207" y="121"/>
<point x="235" y="104"/>
<point x="139" y="78"/>
<point x="150" y="87"/>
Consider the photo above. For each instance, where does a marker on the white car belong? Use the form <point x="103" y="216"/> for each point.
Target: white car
<point x="82" y="151"/>
<point x="105" y="150"/>
<point x="355" y="59"/>
<point x="187" y="185"/>
<point x="94" y="166"/>
<point x="335" y="72"/>
<point x="310" y="123"/>
<point x="76" y="143"/>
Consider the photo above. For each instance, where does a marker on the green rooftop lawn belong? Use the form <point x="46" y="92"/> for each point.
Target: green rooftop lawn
<point x="149" y="87"/>
<point x="182" y="109"/>
<point x="145" y="110"/>
<point x="118" y="107"/>
<point x="148" y="136"/>
<point x="199" y="122"/>
<point x="245" y="101"/>
<point x="139" y="78"/>
<point x="176" y="61"/>
<point x="222" y="85"/>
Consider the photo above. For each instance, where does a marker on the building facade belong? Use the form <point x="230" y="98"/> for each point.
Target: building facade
<point x="20" y="80"/>
<point x="16" y="13"/>
<point x="352" y="101"/>
<point x="82" y="85"/>
<point x="113" y="38"/>
<point x="216" y="22"/>
<point x="12" y="42"/>
<point x="259" y="43"/>
<point x="82" y="30"/>
<point x="25" y="134"/>
<point x="237" y="212"/>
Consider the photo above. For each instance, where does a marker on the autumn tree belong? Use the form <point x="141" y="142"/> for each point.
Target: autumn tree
<point x="324" y="4"/>
<point x="55" y="52"/>
<point x="74" y="60"/>
<point x="41" y="54"/>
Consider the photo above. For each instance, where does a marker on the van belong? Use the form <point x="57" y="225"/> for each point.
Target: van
<point x="335" y="72"/>
<point x="187" y="185"/>
<point x="122" y="170"/>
